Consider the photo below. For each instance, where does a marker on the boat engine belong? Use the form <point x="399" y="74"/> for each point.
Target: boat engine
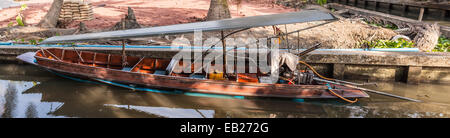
<point x="299" y="77"/>
<point x="305" y="77"/>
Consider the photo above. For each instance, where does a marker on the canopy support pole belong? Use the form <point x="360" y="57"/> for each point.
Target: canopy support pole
<point x="287" y="38"/>
<point x="210" y="47"/>
<point x="124" y="56"/>
<point x="298" y="42"/>
<point x="76" y="51"/>
<point x="224" y="50"/>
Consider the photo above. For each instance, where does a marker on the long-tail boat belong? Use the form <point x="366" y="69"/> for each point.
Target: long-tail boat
<point x="145" y="72"/>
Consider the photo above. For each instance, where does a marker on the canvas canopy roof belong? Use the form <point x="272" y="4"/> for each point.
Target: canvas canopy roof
<point x="233" y="23"/>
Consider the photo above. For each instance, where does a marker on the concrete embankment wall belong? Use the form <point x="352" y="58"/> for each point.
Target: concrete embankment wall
<point x="411" y="67"/>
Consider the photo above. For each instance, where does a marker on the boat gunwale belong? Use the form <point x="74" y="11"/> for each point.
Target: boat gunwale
<point x="322" y="88"/>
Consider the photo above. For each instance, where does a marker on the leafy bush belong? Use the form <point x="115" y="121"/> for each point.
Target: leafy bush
<point x="321" y="2"/>
<point x="443" y="45"/>
<point x="400" y="43"/>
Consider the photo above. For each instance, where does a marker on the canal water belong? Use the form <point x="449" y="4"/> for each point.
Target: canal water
<point x="29" y="92"/>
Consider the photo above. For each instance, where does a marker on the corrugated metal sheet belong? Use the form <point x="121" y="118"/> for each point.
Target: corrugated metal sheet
<point x="234" y="23"/>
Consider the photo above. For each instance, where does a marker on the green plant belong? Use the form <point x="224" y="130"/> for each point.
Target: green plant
<point x="400" y="43"/>
<point x="19" y="21"/>
<point x="32" y="42"/>
<point x="35" y="42"/>
<point x="443" y="45"/>
<point x="19" y="17"/>
<point x="10" y="24"/>
<point x="321" y="2"/>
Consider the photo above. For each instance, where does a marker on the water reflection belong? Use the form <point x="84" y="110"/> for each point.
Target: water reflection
<point x="10" y="95"/>
<point x="31" y="111"/>
<point x="169" y="112"/>
<point x="52" y="96"/>
<point x="15" y="102"/>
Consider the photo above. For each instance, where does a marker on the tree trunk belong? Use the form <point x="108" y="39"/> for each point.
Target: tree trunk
<point x="51" y="18"/>
<point x="218" y="9"/>
<point x="129" y="22"/>
<point x="427" y="36"/>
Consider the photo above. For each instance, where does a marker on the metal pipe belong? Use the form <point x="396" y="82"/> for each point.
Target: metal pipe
<point x="299" y="30"/>
<point x="353" y="83"/>
<point x="287" y="39"/>
<point x="224" y="50"/>
<point x="316" y="46"/>
<point x="368" y="90"/>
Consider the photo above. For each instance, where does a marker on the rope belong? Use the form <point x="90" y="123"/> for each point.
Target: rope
<point x="315" y="72"/>
<point x="329" y="87"/>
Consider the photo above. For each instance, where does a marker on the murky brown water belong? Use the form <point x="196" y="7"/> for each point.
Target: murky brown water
<point x="26" y="91"/>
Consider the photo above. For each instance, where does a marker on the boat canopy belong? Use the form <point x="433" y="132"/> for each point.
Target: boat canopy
<point x="233" y="23"/>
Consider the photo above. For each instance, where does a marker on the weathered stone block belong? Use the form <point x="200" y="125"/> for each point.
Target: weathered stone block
<point x="338" y="71"/>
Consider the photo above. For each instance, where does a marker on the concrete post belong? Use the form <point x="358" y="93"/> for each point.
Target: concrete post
<point x="413" y="76"/>
<point x="338" y="71"/>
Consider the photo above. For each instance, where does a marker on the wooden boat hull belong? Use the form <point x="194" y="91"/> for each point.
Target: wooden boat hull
<point x="192" y="84"/>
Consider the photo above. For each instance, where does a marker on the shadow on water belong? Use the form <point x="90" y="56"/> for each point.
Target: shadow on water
<point x="32" y="92"/>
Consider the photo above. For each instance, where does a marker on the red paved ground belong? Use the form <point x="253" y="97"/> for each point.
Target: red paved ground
<point x="148" y="12"/>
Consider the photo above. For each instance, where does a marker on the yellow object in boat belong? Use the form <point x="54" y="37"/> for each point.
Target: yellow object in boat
<point x="216" y="76"/>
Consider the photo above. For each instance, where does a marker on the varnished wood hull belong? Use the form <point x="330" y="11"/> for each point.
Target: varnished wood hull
<point x="194" y="85"/>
